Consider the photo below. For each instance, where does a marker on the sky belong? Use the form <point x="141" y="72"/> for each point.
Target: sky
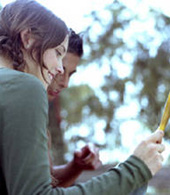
<point x="72" y="12"/>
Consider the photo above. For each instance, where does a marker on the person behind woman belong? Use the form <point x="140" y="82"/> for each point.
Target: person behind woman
<point x="33" y="42"/>
<point x="87" y="158"/>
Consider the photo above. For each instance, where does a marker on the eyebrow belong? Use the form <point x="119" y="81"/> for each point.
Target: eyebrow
<point x="73" y="72"/>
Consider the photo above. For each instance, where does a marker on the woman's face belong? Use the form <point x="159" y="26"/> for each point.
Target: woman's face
<point x="52" y="59"/>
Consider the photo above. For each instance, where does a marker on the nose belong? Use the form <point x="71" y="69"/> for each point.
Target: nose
<point x="59" y="68"/>
<point x="64" y="81"/>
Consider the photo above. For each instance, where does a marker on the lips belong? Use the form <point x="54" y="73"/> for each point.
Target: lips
<point x="53" y="92"/>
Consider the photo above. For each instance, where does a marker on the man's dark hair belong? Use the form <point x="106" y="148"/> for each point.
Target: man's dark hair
<point x="75" y="43"/>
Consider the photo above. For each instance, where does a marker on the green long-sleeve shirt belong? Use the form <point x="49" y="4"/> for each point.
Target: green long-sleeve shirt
<point x="24" y="165"/>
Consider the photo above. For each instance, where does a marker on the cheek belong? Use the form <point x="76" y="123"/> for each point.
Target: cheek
<point x="52" y="84"/>
<point x="46" y="58"/>
<point x="49" y="59"/>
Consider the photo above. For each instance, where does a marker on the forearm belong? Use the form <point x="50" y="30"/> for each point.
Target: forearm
<point x="120" y="180"/>
<point x="128" y="176"/>
<point x="132" y="174"/>
<point x="65" y="175"/>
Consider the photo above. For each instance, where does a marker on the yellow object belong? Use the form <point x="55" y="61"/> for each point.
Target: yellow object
<point x="166" y="114"/>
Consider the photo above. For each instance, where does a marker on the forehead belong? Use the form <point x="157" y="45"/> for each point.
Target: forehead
<point x="64" y="44"/>
<point x="70" y="62"/>
<point x="71" y="58"/>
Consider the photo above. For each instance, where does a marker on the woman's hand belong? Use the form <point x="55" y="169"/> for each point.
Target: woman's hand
<point x="150" y="151"/>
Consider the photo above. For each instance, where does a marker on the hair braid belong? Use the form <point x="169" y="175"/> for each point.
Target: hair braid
<point x="9" y="48"/>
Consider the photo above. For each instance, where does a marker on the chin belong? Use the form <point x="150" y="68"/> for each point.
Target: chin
<point x="50" y="98"/>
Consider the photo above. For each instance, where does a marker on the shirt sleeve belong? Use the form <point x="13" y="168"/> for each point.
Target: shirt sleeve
<point x="25" y="153"/>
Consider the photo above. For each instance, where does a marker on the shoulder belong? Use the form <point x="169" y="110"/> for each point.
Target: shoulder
<point x="24" y="81"/>
<point x="28" y="81"/>
<point x="30" y="88"/>
<point x="18" y="85"/>
<point x="30" y="84"/>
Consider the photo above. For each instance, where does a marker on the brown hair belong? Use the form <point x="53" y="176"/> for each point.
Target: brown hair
<point x="47" y="29"/>
<point x="75" y="45"/>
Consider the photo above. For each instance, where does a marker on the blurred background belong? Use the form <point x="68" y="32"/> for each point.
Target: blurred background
<point x="117" y="96"/>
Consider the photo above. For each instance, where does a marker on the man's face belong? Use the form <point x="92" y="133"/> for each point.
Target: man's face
<point x="70" y="62"/>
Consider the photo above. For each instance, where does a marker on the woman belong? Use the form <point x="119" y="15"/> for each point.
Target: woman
<point x="33" y="42"/>
<point x="31" y="38"/>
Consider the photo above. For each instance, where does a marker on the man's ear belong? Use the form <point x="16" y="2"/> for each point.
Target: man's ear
<point x="27" y="38"/>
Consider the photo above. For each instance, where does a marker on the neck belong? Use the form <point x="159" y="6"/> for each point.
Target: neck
<point x="5" y="62"/>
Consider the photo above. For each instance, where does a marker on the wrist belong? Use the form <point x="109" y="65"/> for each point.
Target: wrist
<point x="73" y="165"/>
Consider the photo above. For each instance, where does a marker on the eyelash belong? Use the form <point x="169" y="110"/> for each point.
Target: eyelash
<point x="58" y="53"/>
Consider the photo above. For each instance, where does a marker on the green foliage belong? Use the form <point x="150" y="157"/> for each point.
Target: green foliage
<point x="154" y="73"/>
<point x="151" y="72"/>
<point x="81" y="102"/>
<point x="74" y="99"/>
